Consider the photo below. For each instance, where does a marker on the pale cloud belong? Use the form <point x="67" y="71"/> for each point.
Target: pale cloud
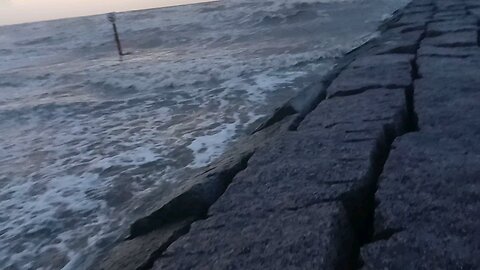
<point x="20" y="11"/>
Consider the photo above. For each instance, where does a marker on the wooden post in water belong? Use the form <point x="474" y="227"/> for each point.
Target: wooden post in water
<point x="112" y="18"/>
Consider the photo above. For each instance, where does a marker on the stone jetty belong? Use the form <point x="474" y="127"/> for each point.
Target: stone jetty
<point x="379" y="170"/>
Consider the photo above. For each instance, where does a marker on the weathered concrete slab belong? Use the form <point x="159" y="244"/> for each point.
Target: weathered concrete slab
<point x="390" y="107"/>
<point x="414" y="18"/>
<point x="387" y="71"/>
<point x="141" y="252"/>
<point x="428" y="212"/>
<point x="451" y="14"/>
<point x="435" y="29"/>
<point x="451" y="23"/>
<point x="296" y="239"/>
<point x="421" y="250"/>
<point x="429" y="193"/>
<point x="475" y="11"/>
<point x="449" y="5"/>
<point x="448" y="68"/>
<point x="446" y="52"/>
<point x="401" y="40"/>
<point x="453" y="39"/>
<point x="447" y="97"/>
<point x="449" y="106"/>
<point x="413" y="8"/>
<point x="294" y="188"/>
<point x="323" y="172"/>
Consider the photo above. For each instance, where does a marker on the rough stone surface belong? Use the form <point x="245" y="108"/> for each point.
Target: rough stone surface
<point x="331" y="172"/>
<point x="429" y="192"/>
<point x="445" y="52"/>
<point x="135" y="253"/>
<point x="414" y="18"/>
<point x="388" y="71"/>
<point x="401" y="40"/>
<point x="296" y="239"/>
<point x="428" y="212"/>
<point x="438" y="28"/>
<point x="439" y="102"/>
<point x="364" y="121"/>
<point x="455" y="39"/>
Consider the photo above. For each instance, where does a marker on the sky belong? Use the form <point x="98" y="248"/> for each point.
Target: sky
<point x="21" y="11"/>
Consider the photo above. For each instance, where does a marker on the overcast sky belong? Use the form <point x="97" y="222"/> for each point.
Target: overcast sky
<point x="20" y="11"/>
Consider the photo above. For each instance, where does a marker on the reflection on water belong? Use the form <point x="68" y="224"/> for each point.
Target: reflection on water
<point x="21" y="11"/>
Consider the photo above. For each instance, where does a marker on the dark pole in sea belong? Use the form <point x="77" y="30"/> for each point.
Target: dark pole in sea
<point x="111" y="18"/>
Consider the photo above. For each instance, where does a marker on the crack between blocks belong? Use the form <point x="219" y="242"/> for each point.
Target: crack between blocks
<point x="337" y="123"/>
<point x="358" y="140"/>
<point x="437" y="33"/>
<point x="412" y="29"/>
<point x="333" y="74"/>
<point x="478" y="32"/>
<point x="435" y="55"/>
<point x="353" y="92"/>
<point x="184" y="208"/>
<point x="325" y="83"/>
<point x="310" y="204"/>
<point x="183" y="205"/>
<point x="360" y="204"/>
<point x="148" y="264"/>
<point x="385" y="234"/>
<point x="358" y="91"/>
<point x="456" y="45"/>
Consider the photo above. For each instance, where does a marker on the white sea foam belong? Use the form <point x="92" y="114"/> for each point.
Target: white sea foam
<point x="208" y="147"/>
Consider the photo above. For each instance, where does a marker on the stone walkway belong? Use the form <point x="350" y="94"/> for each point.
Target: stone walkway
<point x="383" y="174"/>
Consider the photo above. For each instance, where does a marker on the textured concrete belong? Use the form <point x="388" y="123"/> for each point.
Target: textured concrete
<point x="428" y="213"/>
<point x="140" y="252"/>
<point x="255" y="241"/>
<point x="388" y="71"/>
<point x="429" y="197"/>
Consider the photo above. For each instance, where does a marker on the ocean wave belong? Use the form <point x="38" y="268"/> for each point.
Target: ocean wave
<point x="295" y="17"/>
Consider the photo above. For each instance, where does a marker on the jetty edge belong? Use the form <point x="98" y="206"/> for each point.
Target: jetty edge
<point x="378" y="168"/>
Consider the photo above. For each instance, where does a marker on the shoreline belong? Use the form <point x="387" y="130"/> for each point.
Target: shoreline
<point x="148" y="237"/>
